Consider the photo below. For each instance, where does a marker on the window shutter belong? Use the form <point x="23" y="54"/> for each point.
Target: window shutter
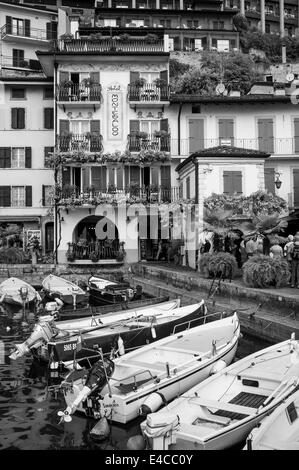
<point x="134" y="126"/>
<point x="269" y="180"/>
<point x="49" y="32"/>
<point x="188" y="187"/>
<point x="296" y="187"/>
<point x="176" y="43"/>
<point x="127" y="177"/>
<point x="232" y="182"/>
<point x="43" y="195"/>
<point x="134" y="76"/>
<point x="134" y="174"/>
<point x="196" y="135"/>
<point x="5" y="157"/>
<point x="28" y="157"/>
<point x="95" y="77"/>
<point x="66" y="176"/>
<point x="5" y="196"/>
<point x="232" y="43"/>
<point x="28" y="191"/>
<point x="85" y="178"/>
<point x="111" y="177"/>
<point x="95" y="127"/>
<point x="64" y="126"/>
<point x="164" y="125"/>
<point x="237" y="182"/>
<point x="214" y="42"/>
<point x="64" y="138"/>
<point x="265" y="135"/>
<point x="21" y="118"/>
<point x="98" y="178"/>
<point x="8" y="25"/>
<point x="49" y="118"/>
<point x="14" y="118"/>
<point x="296" y="134"/>
<point x="27" y="28"/>
<point x="226" y="131"/>
<point x="119" y="178"/>
<point x="165" y="177"/>
<point x="63" y="77"/>
<point x="95" y="130"/>
<point x="164" y="75"/>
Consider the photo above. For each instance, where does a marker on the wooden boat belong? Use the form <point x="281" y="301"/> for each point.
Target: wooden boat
<point x="279" y="430"/>
<point x="14" y="291"/>
<point x="103" y="291"/>
<point x="142" y="379"/>
<point x="91" y="310"/>
<point x="47" y="328"/>
<point x="67" y="291"/>
<point x="221" y="411"/>
<point x="132" y="333"/>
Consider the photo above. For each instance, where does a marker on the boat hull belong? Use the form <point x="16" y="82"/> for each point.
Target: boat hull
<point x="64" y="350"/>
<point x="10" y="289"/>
<point x="67" y="299"/>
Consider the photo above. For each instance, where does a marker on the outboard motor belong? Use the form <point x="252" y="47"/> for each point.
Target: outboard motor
<point x="96" y="379"/>
<point x="43" y="331"/>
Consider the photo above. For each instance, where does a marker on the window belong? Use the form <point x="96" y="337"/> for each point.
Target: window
<point x="18" y="118"/>
<point x="18" y="93"/>
<point x="18" y="58"/>
<point x="223" y="45"/>
<point x="18" y="196"/>
<point x="150" y="77"/>
<point x="47" y="150"/>
<point x="198" y="45"/>
<point x="49" y="118"/>
<point x="18" y="27"/>
<point x="110" y="22"/>
<point x="150" y="127"/>
<point x="79" y="127"/>
<point x="226" y="132"/>
<point x="48" y="93"/>
<point x="18" y="157"/>
<point x="218" y="24"/>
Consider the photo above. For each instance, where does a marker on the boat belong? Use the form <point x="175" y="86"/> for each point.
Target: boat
<point x="46" y="328"/>
<point x="131" y="333"/>
<point x="279" y="430"/>
<point x="68" y="292"/>
<point x="220" y="412"/>
<point x="103" y="291"/>
<point x="90" y="310"/>
<point x="142" y="380"/>
<point x="14" y="291"/>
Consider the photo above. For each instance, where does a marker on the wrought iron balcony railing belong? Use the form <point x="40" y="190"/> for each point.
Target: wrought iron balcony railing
<point x="79" y="93"/>
<point x="84" y="142"/>
<point x="22" y="63"/>
<point x="110" y="45"/>
<point x="104" y="249"/>
<point x="149" y="142"/>
<point x="148" y="93"/>
<point x="135" y="193"/>
<point x="27" y="32"/>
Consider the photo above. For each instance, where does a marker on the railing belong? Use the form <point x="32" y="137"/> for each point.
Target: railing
<point x="275" y="146"/>
<point x="145" y="194"/>
<point x="110" y="45"/>
<point x="79" y="93"/>
<point x="92" y="143"/>
<point x="33" y="33"/>
<point x="151" y="142"/>
<point x="148" y="93"/>
<point x="104" y="249"/>
<point x="32" y="64"/>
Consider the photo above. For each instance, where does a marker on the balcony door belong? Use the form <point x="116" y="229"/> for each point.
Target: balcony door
<point x="196" y="135"/>
<point x="266" y="135"/>
<point x="79" y="130"/>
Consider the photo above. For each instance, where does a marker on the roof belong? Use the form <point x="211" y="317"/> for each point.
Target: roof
<point x="223" y="151"/>
<point x="40" y="8"/>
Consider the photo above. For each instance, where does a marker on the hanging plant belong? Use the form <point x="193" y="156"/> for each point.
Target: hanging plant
<point x="70" y="256"/>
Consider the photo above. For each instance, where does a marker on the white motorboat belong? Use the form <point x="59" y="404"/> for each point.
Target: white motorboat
<point x="14" y="291"/>
<point x="279" y="430"/>
<point x="221" y="411"/>
<point x="66" y="291"/>
<point x="143" y="379"/>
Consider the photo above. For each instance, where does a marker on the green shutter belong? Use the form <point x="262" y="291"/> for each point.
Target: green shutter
<point x="98" y="178"/>
<point x="226" y="131"/>
<point x="8" y="25"/>
<point x="134" y="76"/>
<point x="296" y="134"/>
<point x="64" y="126"/>
<point x="269" y="180"/>
<point x="188" y="187"/>
<point x="165" y="177"/>
<point x="28" y="191"/>
<point x="119" y="178"/>
<point x="5" y="157"/>
<point x="232" y="182"/>
<point x="164" y="75"/>
<point x="95" y="77"/>
<point x="43" y="195"/>
<point x="296" y="187"/>
<point x="85" y="177"/>
<point x="21" y="118"/>
<point x="196" y="135"/>
<point x="66" y="176"/>
<point x="14" y="118"/>
<point x="64" y="138"/>
<point x="49" y="118"/>
<point x="265" y="135"/>
<point x="127" y="176"/>
<point x="95" y="130"/>
<point x="5" y="196"/>
<point x="134" y="174"/>
<point x="28" y="157"/>
<point x="27" y="28"/>
<point x="164" y="125"/>
<point x="63" y="77"/>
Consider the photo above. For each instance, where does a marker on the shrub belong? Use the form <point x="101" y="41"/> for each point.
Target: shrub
<point x="13" y="255"/>
<point x="211" y="264"/>
<point x="263" y="271"/>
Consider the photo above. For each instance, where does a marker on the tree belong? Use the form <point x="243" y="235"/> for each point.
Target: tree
<point x="240" y="22"/>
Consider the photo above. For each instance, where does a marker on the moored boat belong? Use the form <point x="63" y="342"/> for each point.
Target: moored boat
<point x="221" y="411"/>
<point x="46" y="329"/>
<point x="279" y="430"/>
<point x="105" y="292"/>
<point x="15" y="291"/>
<point x="67" y="291"/>
<point x="143" y="379"/>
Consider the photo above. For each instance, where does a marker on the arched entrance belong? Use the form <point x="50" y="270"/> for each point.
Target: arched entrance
<point x="95" y="238"/>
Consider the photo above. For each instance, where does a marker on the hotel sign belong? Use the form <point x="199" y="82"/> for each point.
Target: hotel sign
<point x="115" y="112"/>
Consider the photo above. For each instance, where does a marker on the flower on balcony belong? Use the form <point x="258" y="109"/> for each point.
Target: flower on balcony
<point x="150" y="156"/>
<point x="116" y="157"/>
<point x="160" y="82"/>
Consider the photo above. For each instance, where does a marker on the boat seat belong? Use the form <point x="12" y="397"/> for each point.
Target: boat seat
<point x="146" y="365"/>
<point x="262" y="375"/>
<point x="219" y="405"/>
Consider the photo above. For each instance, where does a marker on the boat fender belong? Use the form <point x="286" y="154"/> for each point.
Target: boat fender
<point x="152" y="403"/>
<point x="217" y="367"/>
<point x="101" y="430"/>
<point x="59" y="301"/>
<point x="120" y="344"/>
<point x="136" y="443"/>
<point x="153" y="332"/>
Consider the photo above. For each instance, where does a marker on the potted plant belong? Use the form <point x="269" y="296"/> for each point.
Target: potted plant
<point x="120" y="256"/>
<point x="160" y="82"/>
<point x="94" y="256"/>
<point x="125" y="37"/>
<point x="70" y="256"/>
<point x="67" y="37"/>
<point x="139" y="83"/>
<point x="151" y="38"/>
<point x="67" y="84"/>
<point x="141" y="135"/>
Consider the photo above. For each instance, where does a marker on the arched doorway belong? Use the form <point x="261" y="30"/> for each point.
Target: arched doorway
<point x="95" y="238"/>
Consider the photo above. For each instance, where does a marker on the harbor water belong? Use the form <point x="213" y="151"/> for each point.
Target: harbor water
<point x="28" y="407"/>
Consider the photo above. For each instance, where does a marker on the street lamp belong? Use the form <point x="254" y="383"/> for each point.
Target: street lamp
<point x="277" y="182"/>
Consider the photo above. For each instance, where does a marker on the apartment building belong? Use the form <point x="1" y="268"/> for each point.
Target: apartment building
<point x="26" y="120"/>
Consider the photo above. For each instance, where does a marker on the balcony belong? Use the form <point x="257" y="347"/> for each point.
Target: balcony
<point x="148" y="94"/>
<point x="104" y="250"/>
<point x="20" y="63"/>
<point x="22" y="34"/>
<point x="143" y="141"/>
<point x="74" y="94"/>
<point x="80" y="142"/>
<point x="274" y="146"/>
<point x="108" y="45"/>
<point x="132" y="194"/>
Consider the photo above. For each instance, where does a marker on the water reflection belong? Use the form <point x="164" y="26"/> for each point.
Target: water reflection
<point x="28" y="408"/>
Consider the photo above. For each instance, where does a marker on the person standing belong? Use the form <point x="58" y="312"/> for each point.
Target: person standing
<point x="276" y="251"/>
<point x="294" y="251"/>
<point x="287" y="250"/>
